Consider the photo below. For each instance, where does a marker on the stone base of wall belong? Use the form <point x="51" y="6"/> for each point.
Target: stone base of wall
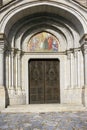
<point x="85" y="96"/>
<point x="73" y="96"/>
<point x="17" y="100"/>
<point x="76" y="96"/>
<point x="2" y="97"/>
<point x="16" y="97"/>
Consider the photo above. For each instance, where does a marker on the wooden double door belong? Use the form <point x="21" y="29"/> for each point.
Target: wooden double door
<point x="44" y="86"/>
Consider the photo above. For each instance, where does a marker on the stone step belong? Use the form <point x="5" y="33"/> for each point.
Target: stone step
<point x="43" y="108"/>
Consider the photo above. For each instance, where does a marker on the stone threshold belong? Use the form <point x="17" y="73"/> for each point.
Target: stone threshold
<point x="40" y="108"/>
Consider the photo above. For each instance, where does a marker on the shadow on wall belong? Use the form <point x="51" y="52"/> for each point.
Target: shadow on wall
<point x="83" y="96"/>
<point x="6" y="90"/>
<point x="6" y="97"/>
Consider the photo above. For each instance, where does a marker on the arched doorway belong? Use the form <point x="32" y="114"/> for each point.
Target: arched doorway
<point x="44" y="81"/>
<point x="22" y="22"/>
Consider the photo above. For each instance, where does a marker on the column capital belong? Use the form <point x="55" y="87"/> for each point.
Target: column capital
<point x="2" y="36"/>
<point x="22" y="53"/>
<point x="7" y="53"/>
<point x="68" y="52"/>
<point x="17" y="51"/>
<point x="75" y="53"/>
<point x="83" y="42"/>
<point x="84" y="48"/>
<point x="12" y="52"/>
<point x="3" y="42"/>
<point x="19" y="54"/>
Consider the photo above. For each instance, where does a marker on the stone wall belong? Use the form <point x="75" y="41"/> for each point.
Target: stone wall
<point x="6" y="1"/>
<point x="82" y="2"/>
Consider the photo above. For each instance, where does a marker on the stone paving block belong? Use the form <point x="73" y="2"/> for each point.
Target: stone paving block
<point x="46" y="121"/>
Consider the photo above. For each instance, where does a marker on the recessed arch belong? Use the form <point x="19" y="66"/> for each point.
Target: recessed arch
<point x="27" y="28"/>
<point x="57" y="33"/>
<point x="63" y="10"/>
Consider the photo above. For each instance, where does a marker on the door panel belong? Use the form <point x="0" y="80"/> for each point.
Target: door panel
<point x="36" y="81"/>
<point x="51" y="82"/>
<point x="44" y="81"/>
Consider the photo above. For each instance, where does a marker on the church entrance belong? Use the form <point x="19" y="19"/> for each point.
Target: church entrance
<point x="44" y="86"/>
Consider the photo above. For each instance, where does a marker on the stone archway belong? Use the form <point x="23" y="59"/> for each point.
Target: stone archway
<point x="24" y="21"/>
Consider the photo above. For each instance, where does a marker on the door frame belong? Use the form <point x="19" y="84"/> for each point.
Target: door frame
<point x="63" y="70"/>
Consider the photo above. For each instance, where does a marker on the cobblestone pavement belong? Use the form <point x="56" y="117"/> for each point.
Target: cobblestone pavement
<point x="44" y="121"/>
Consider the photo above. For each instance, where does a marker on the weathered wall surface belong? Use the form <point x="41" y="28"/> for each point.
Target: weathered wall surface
<point x="83" y="2"/>
<point x="6" y="1"/>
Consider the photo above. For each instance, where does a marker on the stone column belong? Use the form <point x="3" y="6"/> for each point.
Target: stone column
<point x="12" y="66"/>
<point x="11" y="72"/>
<point x="16" y="71"/>
<point x="21" y="64"/>
<point x="19" y="70"/>
<point x="1" y="66"/>
<point x="75" y="68"/>
<point x="83" y="42"/>
<point x="78" y="69"/>
<point x="72" y="70"/>
<point x="2" y="71"/>
<point x="85" y="64"/>
<point x="68" y="69"/>
<point x="7" y="68"/>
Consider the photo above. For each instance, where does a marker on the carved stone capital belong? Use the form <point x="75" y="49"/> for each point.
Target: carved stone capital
<point x="7" y="53"/>
<point x="83" y="40"/>
<point x="68" y="54"/>
<point x="85" y="51"/>
<point x="76" y="50"/>
<point x="3" y="42"/>
<point x="75" y="54"/>
<point x="12" y="52"/>
<point x="19" y="54"/>
<point x="2" y="36"/>
<point x="84" y="48"/>
<point x="22" y="53"/>
<point x="2" y="48"/>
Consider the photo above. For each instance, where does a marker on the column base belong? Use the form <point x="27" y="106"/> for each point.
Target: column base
<point x="16" y="97"/>
<point x="17" y="100"/>
<point x="12" y="91"/>
<point x="2" y="97"/>
<point x="84" y="97"/>
<point x="19" y="91"/>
